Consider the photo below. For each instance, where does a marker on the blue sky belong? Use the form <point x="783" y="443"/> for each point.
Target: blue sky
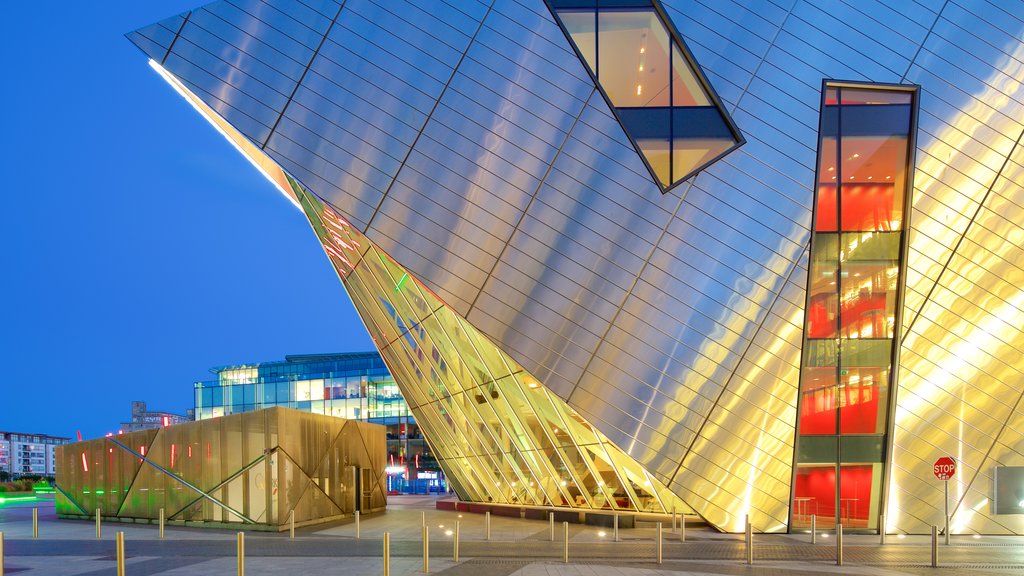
<point x="138" y="247"/>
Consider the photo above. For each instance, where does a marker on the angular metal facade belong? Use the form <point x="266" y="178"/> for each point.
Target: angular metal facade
<point x="468" y="142"/>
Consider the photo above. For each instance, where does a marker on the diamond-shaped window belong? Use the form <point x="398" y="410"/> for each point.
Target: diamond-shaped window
<point x="652" y="82"/>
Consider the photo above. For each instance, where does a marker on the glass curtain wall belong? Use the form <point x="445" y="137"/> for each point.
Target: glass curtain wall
<point x="647" y="76"/>
<point x="847" y="376"/>
<point x="354" y="386"/>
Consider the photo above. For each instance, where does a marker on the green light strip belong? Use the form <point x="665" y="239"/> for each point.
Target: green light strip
<point x="18" y="499"/>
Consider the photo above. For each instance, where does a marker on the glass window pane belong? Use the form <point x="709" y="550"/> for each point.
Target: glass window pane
<point x="826" y="213"/>
<point x="814" y="493"/>
<point x="868" y="96"/>
<point x="686" y="88"/>
<point x="818" y="393"/>
<point x="874" y="162"/>
<point x="869" y="285"/>
<point x="860" y="488"/>
<point x="633" y="57"/>
<point x="823" y="293"/>
<point x="863" y="399"/>
<point x="818" y="401"/>
<point x="580" y="24"/>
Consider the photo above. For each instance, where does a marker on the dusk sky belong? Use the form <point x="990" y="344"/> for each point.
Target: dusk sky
<point x="139" y="248"/>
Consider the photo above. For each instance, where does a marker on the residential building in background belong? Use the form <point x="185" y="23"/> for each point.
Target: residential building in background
<point x="29" y="454"/>
<point x="143" y="419"/>
<point x="748" y="260"/>
<point x="354" y="386"/>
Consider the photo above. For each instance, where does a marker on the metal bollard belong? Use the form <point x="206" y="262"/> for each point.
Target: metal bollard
<point x="682" y="528"/>
<point x="814" y="528"/>
<point x="423" y="519"/>
<point x="1" y="554"/>
<point x="673" y="520"/>
<point x="946" y="531"/>
<point x="161" y="525"/>
<point x="565" y="543"/>
<point x="487" y="525"/>
<point x="357" y="525"/>
<point x="935" y="546"/>
<point x="99" y="533"/>
<point x="657" y="546"/>
<point x="839" y="544"/>
<point x="881" y="529"/>
<point x="291" y="524"/>
<point x="241" y="554"/>
<point x="426" y="549"/>
<point x="35" y="522"/>
<point x="551" y="526"/>
<point x="750" y="541"/>
<point x="615" y="528"/>
<point x="455" y="545"/>
<point x="119" y="553"/>
<point x="387" y="554"/>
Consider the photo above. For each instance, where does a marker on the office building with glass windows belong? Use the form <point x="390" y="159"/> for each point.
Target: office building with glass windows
<point x="742" y="258"/>
<point x="352" y="385"/>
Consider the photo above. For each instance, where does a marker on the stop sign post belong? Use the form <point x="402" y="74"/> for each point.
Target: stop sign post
<point x="944" y="469"/>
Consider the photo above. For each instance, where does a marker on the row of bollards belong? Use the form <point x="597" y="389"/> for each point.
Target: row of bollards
<point x="749" y="540"/>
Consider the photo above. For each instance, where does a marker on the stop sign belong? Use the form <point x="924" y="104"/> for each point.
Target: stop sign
<point x="944" y="468"/>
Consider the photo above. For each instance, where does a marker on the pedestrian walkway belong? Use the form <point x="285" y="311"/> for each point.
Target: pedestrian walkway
<point x="517" y="548"/>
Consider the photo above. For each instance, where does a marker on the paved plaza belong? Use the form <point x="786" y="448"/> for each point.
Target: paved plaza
<point x="517" y="547"/>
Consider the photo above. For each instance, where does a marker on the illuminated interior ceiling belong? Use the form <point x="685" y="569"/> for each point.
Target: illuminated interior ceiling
<point x="499" y="435"/>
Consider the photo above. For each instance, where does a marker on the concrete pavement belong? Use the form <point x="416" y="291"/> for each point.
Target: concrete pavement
<point x="518" y="547"/>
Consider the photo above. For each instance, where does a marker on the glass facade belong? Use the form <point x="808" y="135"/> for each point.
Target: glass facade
<point x="652" y="82"/>
<point x="355" y="386"/>
<point x="852" y="303"/>
<point x="254" y="468"/>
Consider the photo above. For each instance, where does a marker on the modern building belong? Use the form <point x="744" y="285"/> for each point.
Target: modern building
<point x="143" y="419"/>
<point x="354" y="386"/>
<point x="28" y="454"/>
<point x="260" y="469"/>
<point x="745" y="259"/>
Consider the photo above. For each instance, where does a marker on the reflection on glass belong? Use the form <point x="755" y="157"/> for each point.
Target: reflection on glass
<point x="823" y="297"/>
<point x="851" y="320"/>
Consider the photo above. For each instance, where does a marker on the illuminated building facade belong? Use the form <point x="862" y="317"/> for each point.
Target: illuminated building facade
<point x="352" y="385"/>
<point x="254" y="468"/>
<point x="587" y="306"/>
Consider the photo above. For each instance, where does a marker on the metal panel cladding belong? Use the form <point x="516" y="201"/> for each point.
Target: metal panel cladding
<point x="465" y="139"/>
